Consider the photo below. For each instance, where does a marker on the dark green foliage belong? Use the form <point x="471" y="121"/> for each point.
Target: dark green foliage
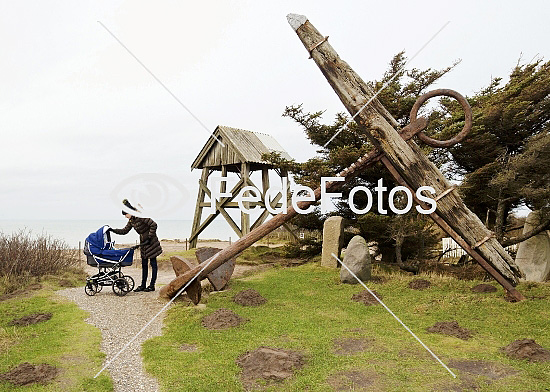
<point x="504" y="163"/>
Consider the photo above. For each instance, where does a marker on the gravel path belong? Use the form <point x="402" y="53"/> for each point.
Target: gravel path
<point x="119" y="319"/>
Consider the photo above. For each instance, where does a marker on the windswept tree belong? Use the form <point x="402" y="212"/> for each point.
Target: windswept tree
<point x="505" y="161"/>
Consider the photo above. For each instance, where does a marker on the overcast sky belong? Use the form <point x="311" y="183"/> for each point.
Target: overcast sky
<point x="81" y="120"/>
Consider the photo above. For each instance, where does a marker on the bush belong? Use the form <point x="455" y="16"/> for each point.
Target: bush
<point x="306" y="248"/>
<point x="23" y="256"/>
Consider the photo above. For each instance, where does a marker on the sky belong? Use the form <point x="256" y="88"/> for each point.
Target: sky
<point x="84" y="125"/>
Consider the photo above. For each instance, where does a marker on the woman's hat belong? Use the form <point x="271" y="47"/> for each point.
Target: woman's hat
<point x="127" y="204"/>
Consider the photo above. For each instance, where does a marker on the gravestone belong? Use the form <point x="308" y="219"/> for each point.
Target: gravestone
<point x="533" y="255"/>
<point x="333" y="238"/>
<point x="358" y="260"/>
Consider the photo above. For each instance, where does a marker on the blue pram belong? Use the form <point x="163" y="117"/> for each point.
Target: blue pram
<point x="101" y="253"/>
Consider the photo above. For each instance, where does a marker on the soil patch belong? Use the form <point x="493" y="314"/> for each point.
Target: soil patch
<point x="483" y="288"/>
<point x="450" y="328"/>
<point x="490" y="370"/>
<point x="222" y="319"/>
<point x="27" y="373"/>
<point x="189" y="348"/>
<point x="510" y="298"/>
<point x="269" y="364"/>
<point x="420" y="284"/>
<point x="527" y="349"/>
<point x="351" y="380"/>
<point x="31" y="319"/>
<point x="366" y="297"/>
<point x="350" y="346"/>
<point x="378" y="279"/>
<point x="21" y="292"/>
<point x="466" y="384"/>
<point x="66" y="283"/>
<point x="249" y="297"/>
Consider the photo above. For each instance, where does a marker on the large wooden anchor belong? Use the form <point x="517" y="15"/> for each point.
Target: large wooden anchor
<point x="401" y="156"/>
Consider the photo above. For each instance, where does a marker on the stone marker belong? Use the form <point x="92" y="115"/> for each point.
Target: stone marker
<point x="533" y="255"/>
<point x="358" y="260"/>
<point x="333" y="238"/>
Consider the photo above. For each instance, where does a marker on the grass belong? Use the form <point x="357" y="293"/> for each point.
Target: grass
<point x="253" y="255"/>
<point x="308" y="308"/>
<point x="188" y="254"/>
<point x="64" y="341"/>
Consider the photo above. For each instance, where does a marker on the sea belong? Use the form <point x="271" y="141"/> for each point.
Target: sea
<point x="74" y="232"/>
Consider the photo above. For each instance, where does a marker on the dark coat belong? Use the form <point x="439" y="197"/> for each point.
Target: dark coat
<point x="147" y="230"/>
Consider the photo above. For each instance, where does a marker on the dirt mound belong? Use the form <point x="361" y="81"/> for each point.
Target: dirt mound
<point x="483" y="288"/>
<point x="490" y="370"/>
<point x="27" y="373"/>
<point x="378" y="279"/>
<point x="527" y="349"/>
<point x="249" y="297"/>
<point x="450" y="328"/>
<point x="222" y="319"/>
<point x="420" y="284"/>
<point x="366" y="297"/>
<point x="31" y="319"/>
<point x="510" y="298"/>
<point x="269" y="364"/>
<point x="351" y="380"/>
<point x="349" y="346"/>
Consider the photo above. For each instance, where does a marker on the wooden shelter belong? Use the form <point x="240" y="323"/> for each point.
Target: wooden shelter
<point x="241" y="153"/>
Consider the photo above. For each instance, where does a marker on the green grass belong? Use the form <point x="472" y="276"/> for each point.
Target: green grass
<point x="188" y="254"/>
<point x="64" y="341"/>
<point x="307" y="308"/>
<point x="253" y="255"/>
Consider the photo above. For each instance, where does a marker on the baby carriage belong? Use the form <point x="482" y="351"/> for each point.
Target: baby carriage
<point x="100" y="253"/>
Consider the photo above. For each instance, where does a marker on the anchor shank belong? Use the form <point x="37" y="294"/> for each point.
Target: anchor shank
<point x="406" y="157"/>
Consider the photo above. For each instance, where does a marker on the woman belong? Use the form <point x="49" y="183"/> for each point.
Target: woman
<point x="149" y="245"/>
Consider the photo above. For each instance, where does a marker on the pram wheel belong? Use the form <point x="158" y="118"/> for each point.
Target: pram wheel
<point x="130" y="282"/>
<point x="120" y="287"/>
<point x="91" y="289"/>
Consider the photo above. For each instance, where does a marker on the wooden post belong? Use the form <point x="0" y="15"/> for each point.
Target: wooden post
<point x="405" y="156"/>
<point x="265" y="180"/>
<point x="245" y="218"/>
<point x="198" y="209"/>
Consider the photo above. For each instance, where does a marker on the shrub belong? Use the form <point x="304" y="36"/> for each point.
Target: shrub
<point x="23" y="256"/>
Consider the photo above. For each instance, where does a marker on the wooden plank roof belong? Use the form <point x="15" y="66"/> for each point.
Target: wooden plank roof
<point x="241" y="146"/>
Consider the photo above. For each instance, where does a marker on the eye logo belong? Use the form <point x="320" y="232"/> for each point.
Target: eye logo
<point x="152" y="193"/>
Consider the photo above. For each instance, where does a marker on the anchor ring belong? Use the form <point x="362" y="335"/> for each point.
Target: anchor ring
<point x="467" y="117"/>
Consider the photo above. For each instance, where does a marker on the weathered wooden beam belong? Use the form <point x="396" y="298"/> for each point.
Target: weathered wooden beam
<point x="405" y="156"/>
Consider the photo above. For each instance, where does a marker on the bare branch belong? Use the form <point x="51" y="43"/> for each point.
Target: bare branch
<point x="544" y="225"/>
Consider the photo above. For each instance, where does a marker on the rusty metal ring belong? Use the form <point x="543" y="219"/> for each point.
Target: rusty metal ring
<point x="467" y="117"/>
